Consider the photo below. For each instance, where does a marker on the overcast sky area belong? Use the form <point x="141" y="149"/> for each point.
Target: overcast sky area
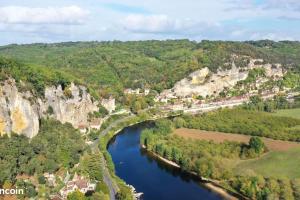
<point x="33" y="21"/>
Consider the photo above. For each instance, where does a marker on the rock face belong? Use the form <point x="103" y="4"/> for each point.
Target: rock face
<point x="20" y="112"/>
<point x="72" y="106"/>
<point x="109" y="104"/>
<point x="205" y="83"/>
<point x="17" y="114"/>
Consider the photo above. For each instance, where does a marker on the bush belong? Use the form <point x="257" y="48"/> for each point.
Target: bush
<point x="102" y="187"/>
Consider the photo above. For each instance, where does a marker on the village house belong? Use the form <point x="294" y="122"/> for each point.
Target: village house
<point x="276" y="89"/>
<point x="177" y="107"/>
<point x="137" y="91"/>
<point x="132" y="91"/>
<point x="165" y="96"/>
<point x="77" y="183"/>
<point x="83" y="128"/>
<point x="96" y="124"/>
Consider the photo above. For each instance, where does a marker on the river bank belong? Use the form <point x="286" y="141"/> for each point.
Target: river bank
<point x="107" y="135"/>
<point x="213" y="185"/>
<point x="116" y="130"/>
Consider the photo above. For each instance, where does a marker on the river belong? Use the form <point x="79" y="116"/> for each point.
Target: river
<point x="157" y="180"/>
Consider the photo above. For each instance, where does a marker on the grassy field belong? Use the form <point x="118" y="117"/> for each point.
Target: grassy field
<point x="295" y="113"/>
<point x="274" y="164"/>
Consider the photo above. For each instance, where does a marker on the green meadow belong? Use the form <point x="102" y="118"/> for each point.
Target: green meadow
<point x="274" y="164"/>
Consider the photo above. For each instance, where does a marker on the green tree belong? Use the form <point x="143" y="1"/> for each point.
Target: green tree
<point x="91" y="164"/>
<point x="99" y="196"/>
<point x="124" y="193"/>
<point x="42" y="179"/>
<point x="179" y="122"/>
<point x="76" y="195"/>
<point x="137" y="106"/>
<point x="163" y="126"/>
<point x="257" y="144"/>
<point x="103" y="111"/>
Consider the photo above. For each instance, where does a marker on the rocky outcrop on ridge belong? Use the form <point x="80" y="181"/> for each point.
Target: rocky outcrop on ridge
<point x="205" y="83"/>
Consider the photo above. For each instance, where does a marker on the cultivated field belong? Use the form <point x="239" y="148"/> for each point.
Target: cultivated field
<point x="273" y="145"/>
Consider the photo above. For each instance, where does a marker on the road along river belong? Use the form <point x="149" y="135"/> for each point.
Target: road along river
<point x="156" y="179"/>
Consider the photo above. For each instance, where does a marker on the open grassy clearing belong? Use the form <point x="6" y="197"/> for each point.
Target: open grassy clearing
<point x="273" y="145"/>
<point x="274" y="164"/>
<point x="295" y="113"/>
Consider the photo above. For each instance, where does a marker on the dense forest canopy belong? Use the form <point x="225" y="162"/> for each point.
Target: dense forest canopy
<point x="109" y="67"/>
<point x="246" y="122"/>
<point x="54" y="147"/>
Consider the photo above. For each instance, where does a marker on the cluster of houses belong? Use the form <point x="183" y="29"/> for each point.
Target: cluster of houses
<point x="137" y="91"/>
<point x="110" y="105"/>
<point x="78" y="183"/>
<point x="93" y="124"/>
<point x="189" y="104"/>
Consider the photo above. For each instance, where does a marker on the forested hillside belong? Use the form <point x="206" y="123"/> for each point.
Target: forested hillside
<point x="109" y="67"/>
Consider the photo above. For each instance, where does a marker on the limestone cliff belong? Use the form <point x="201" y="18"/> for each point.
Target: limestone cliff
<point x="17" y="114"/>
<point x="70" y="105"/>
<point x="20" y="112"/>
<point x="205" y="83"/>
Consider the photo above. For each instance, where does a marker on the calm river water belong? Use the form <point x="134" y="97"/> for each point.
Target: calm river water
<point x="155" y="179"/>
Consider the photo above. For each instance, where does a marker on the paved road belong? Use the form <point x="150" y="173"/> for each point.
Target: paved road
<point x="106" y="131"/>
<point x="113" y="188"/>
<point x="108" y="180"/>
<point x="213" y="107"/>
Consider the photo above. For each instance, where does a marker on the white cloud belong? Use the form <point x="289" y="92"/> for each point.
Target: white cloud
<point x="151" y="23"/>
<point x="56" y="20"/>
<point x="49" y="15"/>
<point x="160" y="24"/>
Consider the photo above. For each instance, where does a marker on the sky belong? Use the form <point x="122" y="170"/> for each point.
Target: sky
<point x="48" y="21"/>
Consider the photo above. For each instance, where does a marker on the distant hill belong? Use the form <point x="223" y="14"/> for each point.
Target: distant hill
<point x="109" y="67"/>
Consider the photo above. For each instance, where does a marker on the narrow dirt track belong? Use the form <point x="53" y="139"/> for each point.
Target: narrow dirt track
<point x="219" y="137"/>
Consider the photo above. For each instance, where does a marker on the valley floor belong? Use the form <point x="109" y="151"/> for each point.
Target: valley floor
<point x="282" y="160"/>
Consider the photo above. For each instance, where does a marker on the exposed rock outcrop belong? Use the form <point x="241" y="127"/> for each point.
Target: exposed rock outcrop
<point x="205" y="83"/>
<point x="20" y="112"/>
<point x="70" y="105"/>
<point x="17" y="113"/>
<point x="109" y="104"/>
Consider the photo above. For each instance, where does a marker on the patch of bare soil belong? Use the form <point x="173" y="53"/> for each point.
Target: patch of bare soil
<point x="219" y="137"/>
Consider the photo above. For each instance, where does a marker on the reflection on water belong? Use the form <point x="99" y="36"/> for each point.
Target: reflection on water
<point x="148" y="174"/>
